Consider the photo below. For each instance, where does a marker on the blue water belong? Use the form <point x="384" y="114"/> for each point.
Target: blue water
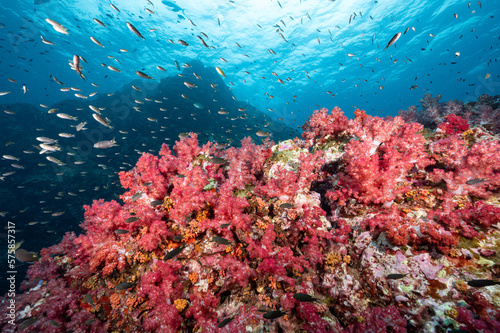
<point x="329" y="53"/>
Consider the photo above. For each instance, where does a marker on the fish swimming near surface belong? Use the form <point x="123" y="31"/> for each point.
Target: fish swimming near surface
<point x="173" y="7"/>
<point x="393" y="40"/>
<point x="134" y="30"/>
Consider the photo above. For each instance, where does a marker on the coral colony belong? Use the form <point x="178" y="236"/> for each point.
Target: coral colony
<point x="363" y="225"/>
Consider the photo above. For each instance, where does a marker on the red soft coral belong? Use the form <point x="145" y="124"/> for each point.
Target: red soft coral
<point x="321" y="124"/>
<point x="454" y="124"/>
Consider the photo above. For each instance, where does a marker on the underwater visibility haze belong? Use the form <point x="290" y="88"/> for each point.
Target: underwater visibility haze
<point x="250" y="166"/>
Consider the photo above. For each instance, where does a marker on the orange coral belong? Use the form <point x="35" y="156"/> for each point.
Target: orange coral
<point x="274" y="284"/>
<point x="261" y="204"/>
<point x="210" y="278"/>
<point x="132" y="302"/>
<point x="193" y="277"/>
<point x="180" y="304"/>
<point x="347" y="259"/>
<point x="115" y="301"/>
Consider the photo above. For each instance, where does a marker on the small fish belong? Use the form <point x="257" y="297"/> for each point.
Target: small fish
<point x="28" y="322"/>
<point x="10" y="157"/>
<point x="114" y="7"/>
<point x="66" y="116"/>
<point x="101" y="120"/>
<point x="190" y="85"/>
<point x="124" y="285"/>
<point x="132" y="219"/>
<point x="218" y="160"/>
<point x="182" y="42"/>
<point x="99" y="22"/>
<point x="393" y="40"/>
<point x="89" y="299"/>
<point x="96" y="41"/>
<point x="203" y="41"/>
<point x="18" y="245"/>
<point x="161" y="68"/>
<point x="304" y="297"/>
<point x="105" y="144"/>
<point x="286" y="205"/>
<point x="80" y="126"/>
<point x="177" y="65"/>
<point x="475" y="181"/>
<point x="121" y="231"/>
<point x="46" y="41"/>
<point x="482" y="283"/>
<point x="57" y="26"/>
<point x="220" y="71"/>
<point x="114" y="69"/>
<point x="24" y="256"/>
<point x="155" y="203"/>
<point x="274" y="314"/>
<point x="134" y="30"/>
<point x="76" y="65"/>
<point x="221" y="240"/>
<point x="262" y="133"/>
<point x="225" y="322"/>
<point x="55" y="160"/>
<point x="45" y="140"/>
<point x="143" y="75"/>
<point x="136" y="196"/>
<point x="224" y="225"/>
<point x="174" y="253"/>
<point x="396" y="276"/>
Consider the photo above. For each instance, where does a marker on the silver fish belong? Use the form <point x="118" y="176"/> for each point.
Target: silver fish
<point x="105" y="144"/>
<point x="96" y="41"/>
<point x="393" y="40"/>
<point x="80" y="126"/>
<point x="99" y="22"/>
<point x="10" y="157"/>
<point x="45" y="139"/>
<point x="143" y="75"/>
<point x="49" y="147"/>
<point x="101" y="120"/>
<point x="55" y="160"/>
<point x="134" y="30"/>
<point x="57" y="26"/>
<point x="66" y="116"/>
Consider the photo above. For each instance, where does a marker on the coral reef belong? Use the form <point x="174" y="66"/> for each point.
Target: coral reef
<point x="363" y="225"/>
